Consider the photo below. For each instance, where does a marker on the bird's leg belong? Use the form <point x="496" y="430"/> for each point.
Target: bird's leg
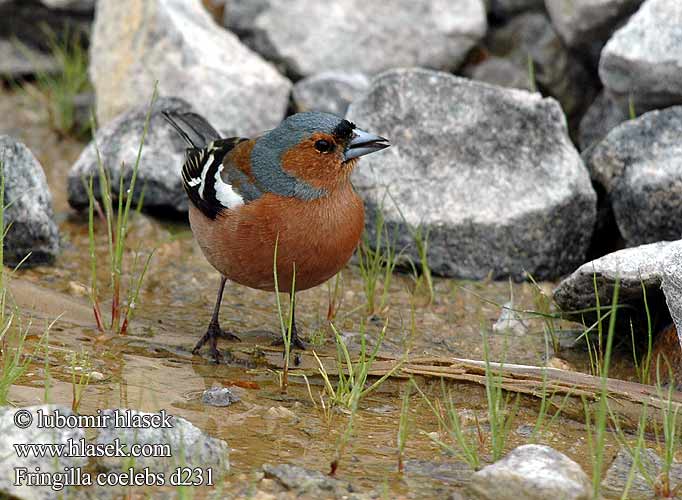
<point x="295" y="339"/>
<point x="214" y="331"/>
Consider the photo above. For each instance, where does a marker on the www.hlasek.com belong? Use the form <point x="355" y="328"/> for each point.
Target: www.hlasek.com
<point x="76" y="476"/>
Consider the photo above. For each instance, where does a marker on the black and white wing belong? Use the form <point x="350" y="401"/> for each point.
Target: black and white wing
<point x="209" y="186"/>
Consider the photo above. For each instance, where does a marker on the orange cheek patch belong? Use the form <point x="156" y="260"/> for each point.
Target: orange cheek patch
<point x="320" y="170"/>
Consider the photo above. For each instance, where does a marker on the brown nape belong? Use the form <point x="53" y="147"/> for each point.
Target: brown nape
<point x="240" y="157"/>
<point x="320" y="170"/>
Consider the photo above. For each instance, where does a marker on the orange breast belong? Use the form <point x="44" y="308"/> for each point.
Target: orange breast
<point x="316" y="237"/>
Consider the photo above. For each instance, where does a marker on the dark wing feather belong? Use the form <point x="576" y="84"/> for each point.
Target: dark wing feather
<point x="210" y="188"/>
<point x="199" y="174"/>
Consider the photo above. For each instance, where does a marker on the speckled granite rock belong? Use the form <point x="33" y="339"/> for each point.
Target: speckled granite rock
<point x="490" y="171"/>
<point x="137" y="42"/>
<point x="190" y="446"/>
<point x="657" y="267"/>
<point x="309" y="36"/>
<point x="531" y="472"/>
<point x="619" y="471"/>
<point x="118" y="141"/>
<point x="643" y="59"/>
<point x="33" y="228"/>
<point x="11" y="434"/>
<point x="639" y="165"/>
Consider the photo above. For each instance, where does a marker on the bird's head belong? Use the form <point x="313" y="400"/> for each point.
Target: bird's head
<point x="316" y="150"/>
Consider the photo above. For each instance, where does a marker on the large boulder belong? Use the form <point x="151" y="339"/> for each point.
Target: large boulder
<point x="489" y="171"/>
<point x="531" y="472"/>
<point x="355" y="35"/>
<point x="643" y="59"/>
<point x="584" y="22"/>
<point x="175" y="42"/>
<point x="28" y="211"/>
<point x="639" y="166"/>
<point x="118" y="143"/>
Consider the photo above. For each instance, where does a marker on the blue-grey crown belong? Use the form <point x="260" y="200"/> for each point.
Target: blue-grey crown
<point x="268" y="150"/>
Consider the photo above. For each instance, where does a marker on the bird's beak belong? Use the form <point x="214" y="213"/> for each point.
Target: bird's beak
<point x="364" y="143"/>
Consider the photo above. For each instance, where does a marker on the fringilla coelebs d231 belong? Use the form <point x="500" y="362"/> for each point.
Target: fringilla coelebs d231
<point x="290" y="186"/>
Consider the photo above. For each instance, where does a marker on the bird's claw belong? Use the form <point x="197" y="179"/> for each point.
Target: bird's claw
<point x="211" y="337"/>
<point x="295" y="342"/>
<point x="224" y="334"/>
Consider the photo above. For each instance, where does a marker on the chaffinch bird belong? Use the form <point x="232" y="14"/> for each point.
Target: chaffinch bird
<point x="291" y="186"/>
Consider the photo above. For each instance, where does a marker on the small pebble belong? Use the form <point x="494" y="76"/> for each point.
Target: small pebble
<point x="96" y="376"/>
<point x="219" y="396"/>
<point x="78" y="289"/>
<point x="278" y="412"/>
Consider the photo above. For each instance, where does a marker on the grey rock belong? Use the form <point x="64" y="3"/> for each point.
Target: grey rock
<point x="672" y="288"/>
<point x="189" y="446"/>
<point x="452" y="472"/>
<point x="355" y="35"/>
<point x="502" y="72"/>
<point x="643" y="59"/>
<point x="502" y="9"/>
<point x="647" y="266"/>
<point x="25" y="24"/>
<point x="557" y="72"/>
<point x="616" y="478"/>
<point x="219" y="396"/>
<point x="583" y="22"/>
<point x="490" y="172"/>
<point x="639" y="165"/>
<point x="308" y="483"/>
<point x="118" y="142"/>
<point x="18" y="60"/>
<point x="603" y="115"/>
<point x="11" y="434"/>
<point x="330" y="91"/>
<point x="239" y="16"/>
<point x="137" y="42"/>
<point x="33" y="228"/>
<point x="75" y="5"/>
<point x="532" y="472"/>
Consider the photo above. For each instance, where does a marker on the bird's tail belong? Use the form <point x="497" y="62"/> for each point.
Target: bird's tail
<point x="193" y="128"/>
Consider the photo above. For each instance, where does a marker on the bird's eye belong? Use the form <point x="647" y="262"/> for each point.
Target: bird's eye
<point x="324" y="146"/>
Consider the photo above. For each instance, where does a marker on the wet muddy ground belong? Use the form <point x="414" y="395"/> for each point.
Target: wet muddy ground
<point x="152" y="367"/>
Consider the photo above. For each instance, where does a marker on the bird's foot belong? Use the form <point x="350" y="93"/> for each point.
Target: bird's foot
<point x="224" y="334"/>
<point x="211" y="337"/>
<point x="295" y="342"/>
